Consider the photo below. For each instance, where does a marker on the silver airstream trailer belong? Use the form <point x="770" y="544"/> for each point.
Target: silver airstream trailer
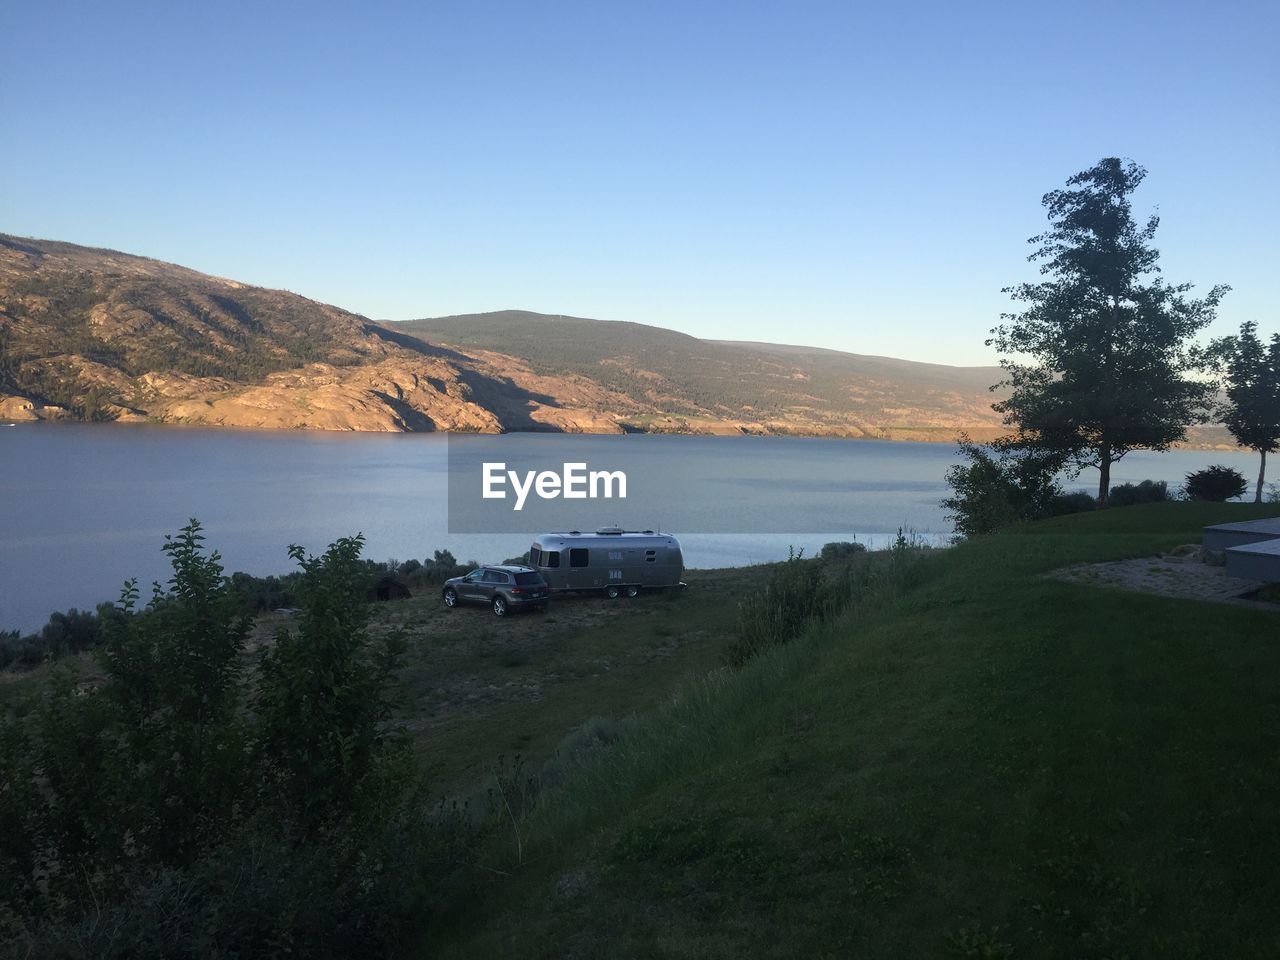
<point x="612" y="560"/>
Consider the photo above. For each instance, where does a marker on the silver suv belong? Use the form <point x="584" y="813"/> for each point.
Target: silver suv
<point x="502" y="587"/>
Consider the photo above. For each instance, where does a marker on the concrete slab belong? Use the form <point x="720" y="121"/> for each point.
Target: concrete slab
<point x="1222" y="536"/>
<point x="1255" y="561"/>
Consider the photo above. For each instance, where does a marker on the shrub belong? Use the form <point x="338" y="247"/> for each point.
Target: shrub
<point x="1216" y="484"/>
<point x="997" y="488"/>
<point x="1129" y="494"/>
<point x="1076" y="502"/>
<point x="323" y="701"/>
<point x="578" y="747"/>
<point x="442" y="566"/>
<point x="194" y="802"/>
<point x="800" y="593"/>
<point x="841" y="548"/>
<point x="173" y="693"/>
<point x="19" y="652"/>
<point x="66" y="633"/>
<point x="261" y="594"/>
<point x="775" y="615"/>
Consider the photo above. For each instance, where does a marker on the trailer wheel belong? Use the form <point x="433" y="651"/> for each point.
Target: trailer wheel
<point x="612" y="592"/>
<point x="633" y="592"/>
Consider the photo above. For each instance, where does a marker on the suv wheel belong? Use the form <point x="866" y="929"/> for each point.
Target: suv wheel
<point x="499" y="607"/>
<point x="451" y="597"/>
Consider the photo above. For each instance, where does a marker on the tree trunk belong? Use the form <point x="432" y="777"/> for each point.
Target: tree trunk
<point x="1262" y="476"/>
<point x="1104" y="473"/>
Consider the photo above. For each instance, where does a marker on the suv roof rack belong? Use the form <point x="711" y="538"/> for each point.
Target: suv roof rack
<point x="603" y="532"/>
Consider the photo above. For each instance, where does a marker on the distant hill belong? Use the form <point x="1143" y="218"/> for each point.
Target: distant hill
<point x="97" y="334"/>
<point x="101" y="335"/>
<point x="684" y="383"/>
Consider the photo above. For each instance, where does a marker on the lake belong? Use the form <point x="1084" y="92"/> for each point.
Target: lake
<point x="85" y="506"/>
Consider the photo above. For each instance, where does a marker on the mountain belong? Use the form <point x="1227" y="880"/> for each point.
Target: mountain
<point x="97" y="334"/>
<point x="102" y="335"/>
<point x="681" y="383"/>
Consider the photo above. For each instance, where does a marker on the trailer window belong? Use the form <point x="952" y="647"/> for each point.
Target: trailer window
<point x="535" y="556"/>
<point x="578" y="557"/>
<point x="551" y="558"/>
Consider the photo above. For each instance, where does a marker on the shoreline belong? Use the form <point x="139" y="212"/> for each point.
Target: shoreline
<point x="978" y="434"/>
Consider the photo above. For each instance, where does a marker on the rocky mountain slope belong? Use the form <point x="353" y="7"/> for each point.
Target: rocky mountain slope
<point x="101" y="335"/>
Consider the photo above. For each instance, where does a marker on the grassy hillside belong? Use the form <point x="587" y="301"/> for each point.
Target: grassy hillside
<point x="977" y="762"/>
<point x="683" y="376"/>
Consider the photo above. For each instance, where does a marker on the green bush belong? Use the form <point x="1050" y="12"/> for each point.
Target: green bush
<point x="1215" y="484"/>
<point x="579" y="747"/>
<point x="262" y="594"/>
<point x="996" y="488"/>
<point x="841" y="548"/>
<point x="775" y="615"/>
<point x="65" y="633"/>
<point x="802" y="592"/>
<point x="440" y="567"/>
<point x="1075" y="502"/>
<point x="196" y="802"/>
<point x="1129" y="494"/>
<point x="323" y="702"/>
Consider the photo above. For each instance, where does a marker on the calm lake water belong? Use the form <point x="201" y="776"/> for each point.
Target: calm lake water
<point x="84" y="507"/>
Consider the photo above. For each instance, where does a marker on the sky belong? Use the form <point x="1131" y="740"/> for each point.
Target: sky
<point x="859" y="176"/>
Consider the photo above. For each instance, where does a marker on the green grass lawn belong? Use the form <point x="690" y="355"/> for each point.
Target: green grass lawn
<point x="476" y="687"/>
<point x="479" y="687"/>
<point x="980" y="763"/>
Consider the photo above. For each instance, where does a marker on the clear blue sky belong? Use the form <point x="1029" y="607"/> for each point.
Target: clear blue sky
<point x="855" y="175"/>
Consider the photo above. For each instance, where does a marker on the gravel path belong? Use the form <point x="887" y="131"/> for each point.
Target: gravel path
<point x="1168" y="576"/>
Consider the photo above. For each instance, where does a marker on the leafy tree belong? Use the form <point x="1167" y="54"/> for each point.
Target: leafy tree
<point x="174" y="676"/>
<point x="147" y="766"/>
<point x="1216" y="484"/>
<point x="153" y="811"/>
<point x="1109" y="343"/>
<point x="998" y="487"/>
<point x="324" y="699"/>
<point x="1252" y="411"/>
